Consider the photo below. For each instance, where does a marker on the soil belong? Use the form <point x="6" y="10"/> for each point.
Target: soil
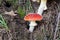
<point x="19" y="28"/>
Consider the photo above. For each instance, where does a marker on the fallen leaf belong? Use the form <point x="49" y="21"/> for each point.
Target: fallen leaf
<point x="11" y="13"/>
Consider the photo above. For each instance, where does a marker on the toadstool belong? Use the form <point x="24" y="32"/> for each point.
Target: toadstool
<point x="42" y="7"/>
<point x="32" y="17"/>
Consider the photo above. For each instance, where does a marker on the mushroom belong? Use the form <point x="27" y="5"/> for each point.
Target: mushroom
<point x="42" y="7"/>
<point x="32" y="17"/>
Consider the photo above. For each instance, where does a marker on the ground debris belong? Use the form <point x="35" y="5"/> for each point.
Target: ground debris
<point x="11" y="13"/>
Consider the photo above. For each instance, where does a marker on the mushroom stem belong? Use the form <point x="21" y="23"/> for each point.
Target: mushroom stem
<point x="42" y="7"/>
<point x="32" y="24"/>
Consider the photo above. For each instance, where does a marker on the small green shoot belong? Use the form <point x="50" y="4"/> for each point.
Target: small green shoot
<point x="3" y="23"/>
<point x="29" y="6"/>
<point x="21" y="12"/>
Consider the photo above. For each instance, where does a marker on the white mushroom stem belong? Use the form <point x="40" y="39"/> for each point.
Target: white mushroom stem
<point x="32" y="24"/>
<point x="42" y="7"/>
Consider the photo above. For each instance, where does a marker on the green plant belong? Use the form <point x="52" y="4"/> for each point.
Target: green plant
<point x="29" y="6"/>
<point x="0" y="2"/>
<point x="21" y="12"/>
<point x="3" y="23"/>
<point x="14" y="2"/>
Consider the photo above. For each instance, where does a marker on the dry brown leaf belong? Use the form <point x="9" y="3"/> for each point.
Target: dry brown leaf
<point x="36" y="1"/>
<point x="11" y="13"/>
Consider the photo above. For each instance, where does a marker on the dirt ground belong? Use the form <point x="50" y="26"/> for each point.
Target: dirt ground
<point x="45" y="29"/>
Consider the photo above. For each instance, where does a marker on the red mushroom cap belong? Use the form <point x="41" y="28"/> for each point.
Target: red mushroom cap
<point x="33" y="17"/>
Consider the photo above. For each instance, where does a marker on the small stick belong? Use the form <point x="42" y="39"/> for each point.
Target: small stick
<point x="56" y="26"/>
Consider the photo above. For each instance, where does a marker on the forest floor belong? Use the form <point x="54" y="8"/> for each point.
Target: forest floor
<point x="47" y="29"/>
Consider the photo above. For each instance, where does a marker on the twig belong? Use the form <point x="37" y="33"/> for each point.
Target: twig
<point x="56" y="26"/>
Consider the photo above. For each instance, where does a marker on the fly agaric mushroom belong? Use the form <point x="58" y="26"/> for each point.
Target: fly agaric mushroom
<point x="42" y="7"/>
<point x="32" y="17"/>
